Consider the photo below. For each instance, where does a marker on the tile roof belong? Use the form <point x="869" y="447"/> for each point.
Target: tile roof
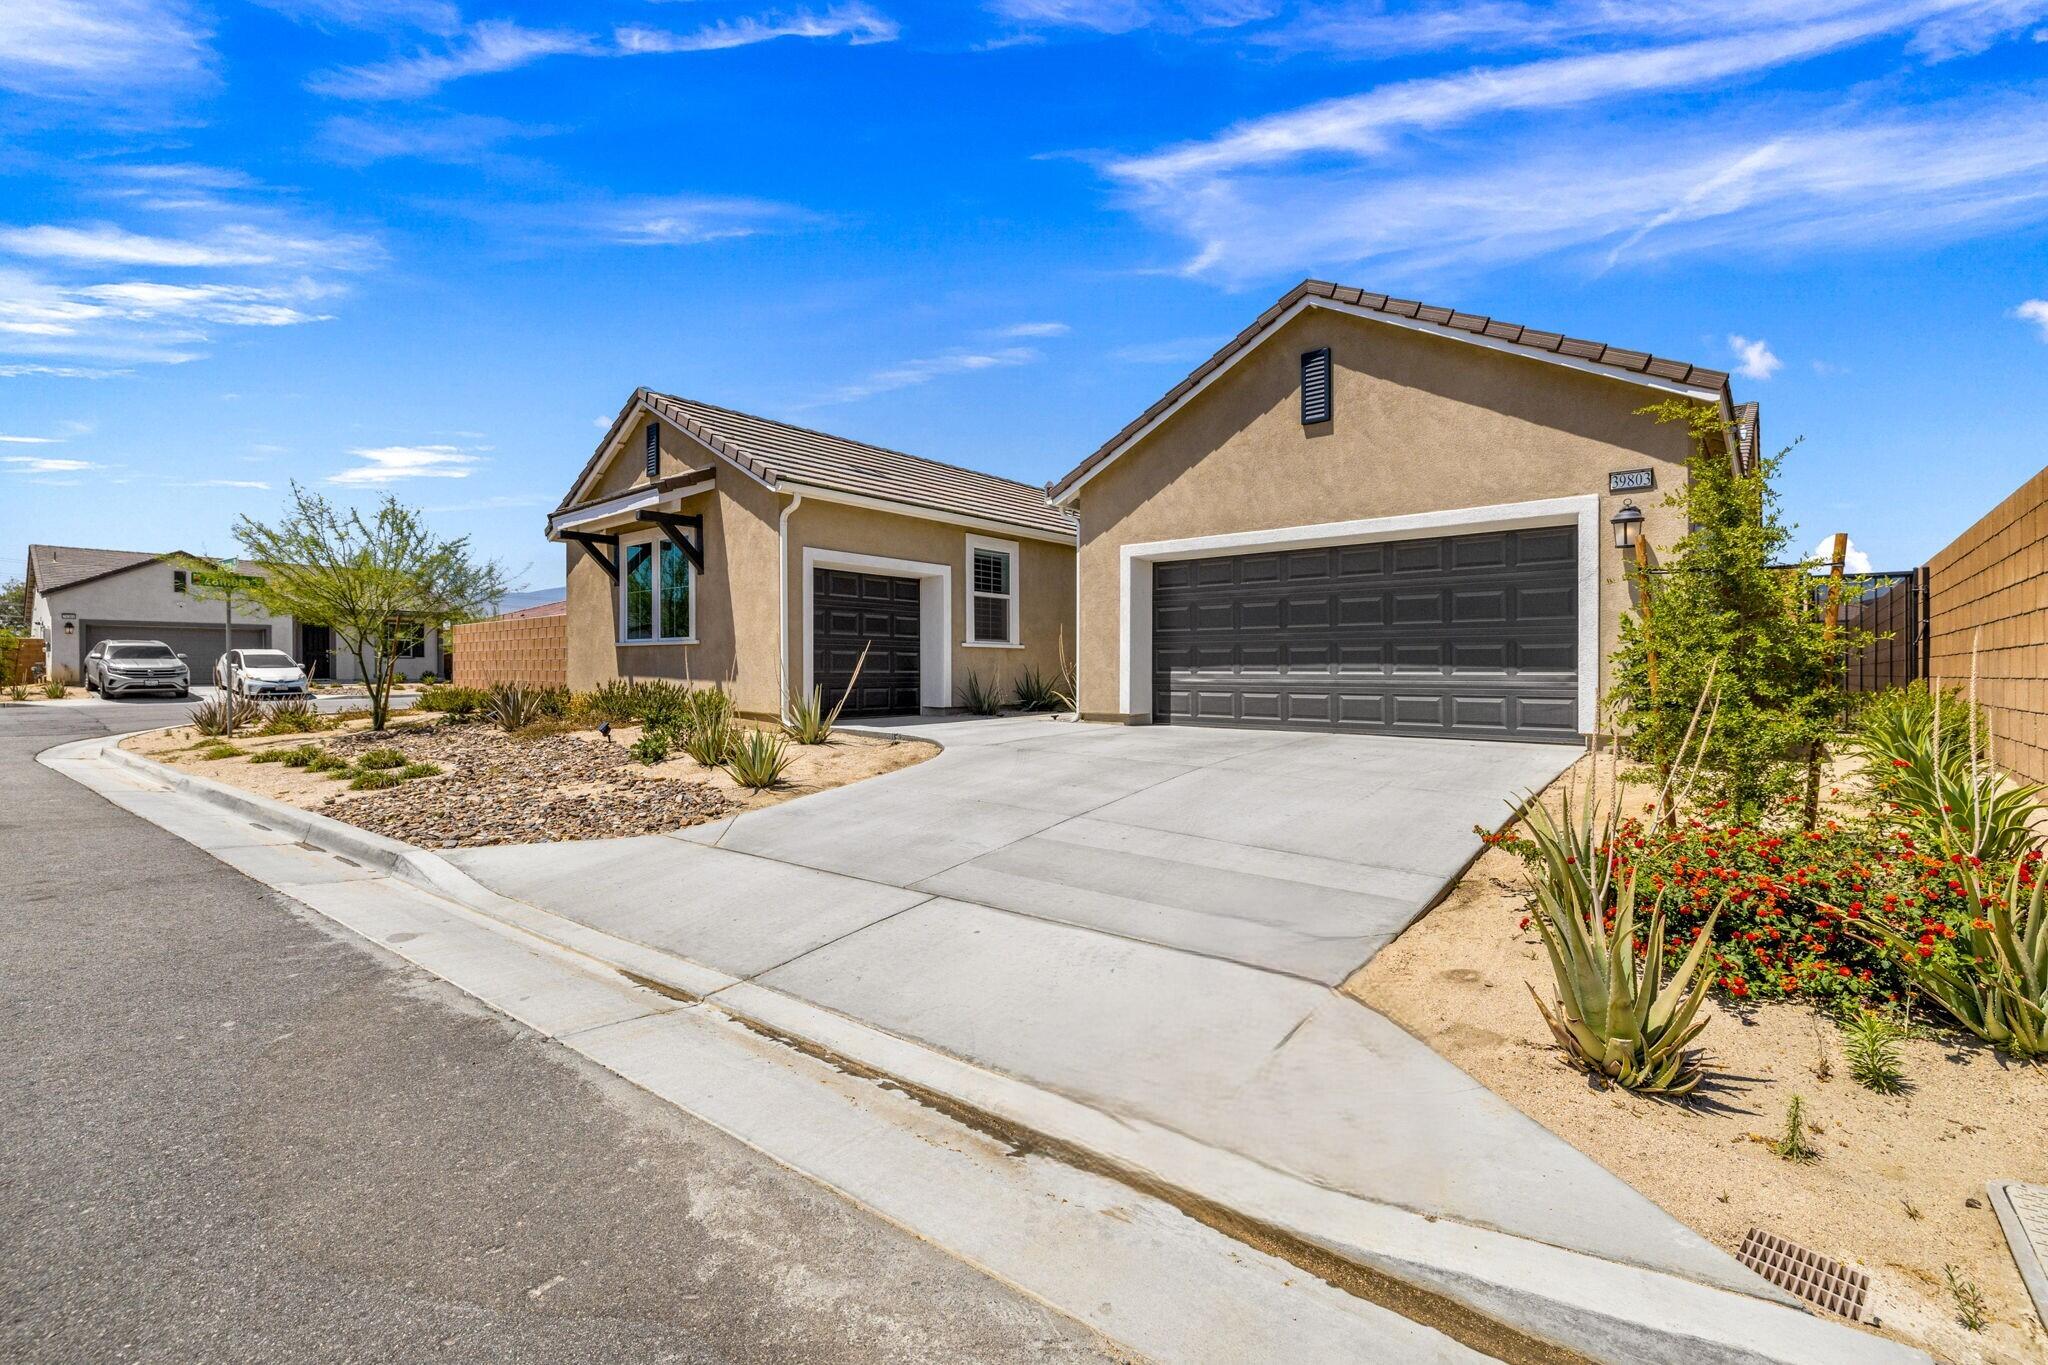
<point x="1478" y="325"/>
<point x="59" y="566"/>
<point x="1747" y="431"/>
<point x="777" y="452"/>
<point x="540" y="609"/>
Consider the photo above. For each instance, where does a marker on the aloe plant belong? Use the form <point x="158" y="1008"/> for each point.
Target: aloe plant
<point x="1998" y="988"/>
<point x="1616" y="1014"/>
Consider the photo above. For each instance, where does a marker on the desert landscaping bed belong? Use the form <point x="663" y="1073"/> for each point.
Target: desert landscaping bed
<point x="1898" y="1187"/>
<point x="499" y="788"/>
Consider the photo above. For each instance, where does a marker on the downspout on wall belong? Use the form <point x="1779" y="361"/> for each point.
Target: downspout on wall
<point x="782" y="592"/>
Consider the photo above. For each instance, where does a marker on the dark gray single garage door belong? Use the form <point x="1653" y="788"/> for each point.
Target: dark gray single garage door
<point x="852" y="610"/>
<point x="200" y="645"/>
<point x="1472" y="637"/>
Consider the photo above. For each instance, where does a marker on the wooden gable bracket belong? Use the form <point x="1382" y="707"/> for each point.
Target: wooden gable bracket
<point x="673" y="525"/>
<point x="604" y="549"/>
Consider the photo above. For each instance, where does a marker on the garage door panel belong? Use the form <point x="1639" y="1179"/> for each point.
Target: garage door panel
<point x="1464" y="635"/>
<point x="855" y="612"/>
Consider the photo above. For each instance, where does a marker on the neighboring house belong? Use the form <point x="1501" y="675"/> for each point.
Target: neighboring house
<point x="78" y="597"/>
<point x="1368" y="514"/>
<point x="710" y="545"/>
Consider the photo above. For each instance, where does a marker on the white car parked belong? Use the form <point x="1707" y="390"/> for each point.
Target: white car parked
<point x="260" y="673"/>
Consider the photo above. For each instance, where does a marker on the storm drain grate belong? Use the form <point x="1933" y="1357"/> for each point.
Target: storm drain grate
<point x="1818" y="1279"/>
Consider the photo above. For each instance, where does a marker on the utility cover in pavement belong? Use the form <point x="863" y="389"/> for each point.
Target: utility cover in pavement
<point x="2023" y="1213"/>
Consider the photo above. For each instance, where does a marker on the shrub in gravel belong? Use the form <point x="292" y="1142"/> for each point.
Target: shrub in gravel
<point x="380" y="757"/>
<point x="665" y="706"/>
<point x="325" y="762"/>
<point x="290" y="716"/>
<point x="221" y="749"/>
<point x="374" y="781"/>
<point x="545" y="729"/>
<point x="412" y="770"/>
<point x="298" y="756"/>
<point x="653" y="745"/>
<point x="460" y="703"/>
<point x="757" y="759"/>
<point x="614" y="700"/>
<point x="710" y="708"/>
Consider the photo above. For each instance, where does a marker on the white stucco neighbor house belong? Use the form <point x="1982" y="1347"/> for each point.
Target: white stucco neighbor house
<point x="78" y="597"/>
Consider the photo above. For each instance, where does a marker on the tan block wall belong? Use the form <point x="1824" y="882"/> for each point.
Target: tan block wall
<point x="26" y="655"/>
<point x="529" y="649"/>
<point x="1422" y="424"/>
<point x="1988" y="592"/>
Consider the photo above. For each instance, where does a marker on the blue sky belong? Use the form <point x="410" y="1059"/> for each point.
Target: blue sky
<point x="431" y="247"/>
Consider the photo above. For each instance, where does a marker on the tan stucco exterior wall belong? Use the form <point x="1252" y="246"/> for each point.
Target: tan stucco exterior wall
<point x="1421" y="424"/>
<point x="738" y="627"/>
<point x="1045" y="584"/>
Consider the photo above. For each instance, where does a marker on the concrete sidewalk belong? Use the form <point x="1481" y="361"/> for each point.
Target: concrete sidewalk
<point x="1255" y="1089"/>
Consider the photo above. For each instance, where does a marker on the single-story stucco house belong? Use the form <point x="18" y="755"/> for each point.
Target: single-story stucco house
<point x="78" y="597"/>
<point x="711" y="546"/>
<point x="1369" y="514"/>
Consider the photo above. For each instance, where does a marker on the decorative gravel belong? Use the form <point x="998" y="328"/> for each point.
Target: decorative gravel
<point x="500" y="790"/>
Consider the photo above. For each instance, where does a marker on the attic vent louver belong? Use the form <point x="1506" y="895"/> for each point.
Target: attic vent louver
<point x="1315" y="387"/>
<point x="653" y="449"/>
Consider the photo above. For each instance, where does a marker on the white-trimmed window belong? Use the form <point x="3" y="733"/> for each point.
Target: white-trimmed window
<point x="657" y="592"/>
<point x="992" y="616"/>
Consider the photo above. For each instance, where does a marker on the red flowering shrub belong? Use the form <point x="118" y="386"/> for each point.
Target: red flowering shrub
<point x="1789" y="899"/>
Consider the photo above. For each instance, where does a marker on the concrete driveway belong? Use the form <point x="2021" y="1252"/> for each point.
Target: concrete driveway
<point x="1297" y="853"/>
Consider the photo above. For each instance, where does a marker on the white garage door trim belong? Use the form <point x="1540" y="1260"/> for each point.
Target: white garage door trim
<point x="1134" y="578"/>
<point x="934" y="615"/>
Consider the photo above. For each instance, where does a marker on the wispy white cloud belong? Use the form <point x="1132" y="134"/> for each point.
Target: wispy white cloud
<point x="1125" y="16"/>
<point x="911" y="373"/>
<point x="235" y="244"/>
<point x="31" y="440"/>
<point x="39" y="464"/>
<point x="1375" y="175"/>
<point x="856" y="22"/>
<point x="459" y="138"/>
<point x="108" y="49"/>
<point x="390" y="464"/>
<point x="431" y="16"/>
<point x="1021" y="331"/>
<point x="1754" y="359"/>
<point x="485" y="48"/>
<point x="684" y="219"/>
<point x="2036" y="312"/>
<point x="59" y="372"/>
<point x="492" y="46"/>
<point x="256" y="484"/>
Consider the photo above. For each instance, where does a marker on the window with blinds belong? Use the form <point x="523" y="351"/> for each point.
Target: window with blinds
<point x="991" y="588"/>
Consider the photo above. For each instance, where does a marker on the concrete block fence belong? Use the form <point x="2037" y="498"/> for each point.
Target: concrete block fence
<point x="523" y="649"/>
<point x="1988" y="592"/>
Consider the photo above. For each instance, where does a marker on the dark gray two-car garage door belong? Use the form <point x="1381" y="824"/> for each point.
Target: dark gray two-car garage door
<point x="1469" y="637"/>
<point x="201" y="645"/>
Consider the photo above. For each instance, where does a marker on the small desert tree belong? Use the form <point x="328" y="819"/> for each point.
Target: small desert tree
<point x="209" y="580"/>
<point x="374" y="581"/>
<point x="1727" y="602"/>
<point x="14" y="605"/>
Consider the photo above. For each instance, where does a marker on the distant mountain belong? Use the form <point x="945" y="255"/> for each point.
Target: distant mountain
<point x="519" y="601"/>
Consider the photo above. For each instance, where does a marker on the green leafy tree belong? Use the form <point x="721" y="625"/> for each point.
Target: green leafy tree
<point x="374" y="581"/>
<point x="14" y="605"/>
<point x="1728" y="602"/>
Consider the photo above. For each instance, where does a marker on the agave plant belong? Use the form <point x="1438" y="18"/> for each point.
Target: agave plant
<point x="1998" y="990"/>
<point x="211" y="717"/>
<point x="809" y="722"/>
<point x="757" y="759"/>
<point x="981" y="696"/>
<point x="514" y="706"/>
<point x="1035" y="691"/>
<point x="710" y="708"/>
<point x="1616" y="1013"/>
<point x="709" y="744"/>
<point x="1932" y="754"/>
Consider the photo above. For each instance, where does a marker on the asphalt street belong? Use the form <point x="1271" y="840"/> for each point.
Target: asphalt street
<point x="233" y="1132"/>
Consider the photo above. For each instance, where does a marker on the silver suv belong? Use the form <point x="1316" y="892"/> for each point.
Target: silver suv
<point x="115" y="668"/>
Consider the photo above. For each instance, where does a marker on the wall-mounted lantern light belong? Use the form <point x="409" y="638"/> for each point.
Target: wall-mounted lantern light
<point x="1628" y="526"/>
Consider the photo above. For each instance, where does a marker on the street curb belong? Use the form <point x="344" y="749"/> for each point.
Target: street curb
<point x="1548" y="1303"/>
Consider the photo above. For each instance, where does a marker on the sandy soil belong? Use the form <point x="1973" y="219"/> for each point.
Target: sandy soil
<point x="1898" y="1189"/>
<point x="846" y="758"/>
